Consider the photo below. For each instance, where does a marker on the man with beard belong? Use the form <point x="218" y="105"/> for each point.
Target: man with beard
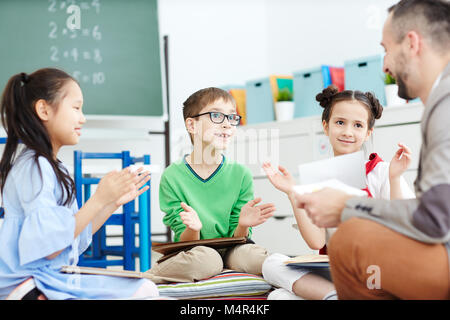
<point x="399" y="249"/>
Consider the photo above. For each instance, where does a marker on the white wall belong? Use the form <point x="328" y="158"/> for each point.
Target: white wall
<point x="211" y="43"/>
<point x="306" y="33"/>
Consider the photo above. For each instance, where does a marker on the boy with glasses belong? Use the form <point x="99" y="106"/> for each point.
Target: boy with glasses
<point x="206" y="196"/>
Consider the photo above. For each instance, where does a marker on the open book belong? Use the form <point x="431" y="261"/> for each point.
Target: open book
<point x="309" y="261"/>
<point x="105" y="272"/>
<point x="170" y="249"/>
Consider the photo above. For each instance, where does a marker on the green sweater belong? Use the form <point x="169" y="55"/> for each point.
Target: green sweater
<point x="217" y="200"/>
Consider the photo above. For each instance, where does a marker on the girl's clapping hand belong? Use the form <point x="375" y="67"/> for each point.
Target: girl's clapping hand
<point x="120" y="187"/>
<point x="280" y="179"/>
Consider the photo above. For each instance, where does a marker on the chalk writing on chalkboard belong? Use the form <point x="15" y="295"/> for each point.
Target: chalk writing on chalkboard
<point x="62" y="53"/>
<point x="114" y="55"/>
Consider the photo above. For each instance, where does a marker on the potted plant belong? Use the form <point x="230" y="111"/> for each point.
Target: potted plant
<point x="391" y="92"/>
<point x="284" y="105"/>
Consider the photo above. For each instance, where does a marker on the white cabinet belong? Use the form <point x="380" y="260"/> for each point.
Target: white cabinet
<point x="295" y="150"/>
<point x="254" y="145"/>
<point x="385" y="141"/>
<point x="264" y="189"/>
<point x="278" y="235"/>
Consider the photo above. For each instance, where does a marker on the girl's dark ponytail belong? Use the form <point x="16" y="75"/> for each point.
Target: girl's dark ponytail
<point x="25" y="77"/>
<point x="13" y="95"/>
<point x="21" y="123"/>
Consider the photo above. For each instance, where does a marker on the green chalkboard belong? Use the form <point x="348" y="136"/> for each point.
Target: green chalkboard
<point x="115" y="54"/>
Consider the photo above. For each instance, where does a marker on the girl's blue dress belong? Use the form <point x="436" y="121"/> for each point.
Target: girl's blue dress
<point x="35" y="226"/>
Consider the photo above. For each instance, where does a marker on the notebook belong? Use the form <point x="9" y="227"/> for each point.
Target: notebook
<point x="349" y="169"/>
<point x="170" y="249"/>
<point x="105" y="272"/>
<point x="309" y="261"/>
<point x="332" y="183"/>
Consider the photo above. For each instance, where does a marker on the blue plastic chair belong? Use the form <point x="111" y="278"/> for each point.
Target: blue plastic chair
<point x="95" y="256"/>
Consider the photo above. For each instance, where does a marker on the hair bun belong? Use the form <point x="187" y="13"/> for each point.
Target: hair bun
<point x="377" y="108"/>
<point x="24" y="77"/>
<point x="324" y="98"/>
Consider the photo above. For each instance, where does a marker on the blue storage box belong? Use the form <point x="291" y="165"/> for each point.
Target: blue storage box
<point x="232" y="86"/>
<point x="366" y="74"/>
<point x="259" y="101"/>
<point x="238" y="93"/>
<point x="307" y="84"/>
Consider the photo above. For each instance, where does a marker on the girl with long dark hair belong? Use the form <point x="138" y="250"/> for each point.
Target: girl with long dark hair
<point x="43" y="228"/>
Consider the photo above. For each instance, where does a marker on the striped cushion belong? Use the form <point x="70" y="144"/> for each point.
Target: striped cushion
<point x="228" y="284"/>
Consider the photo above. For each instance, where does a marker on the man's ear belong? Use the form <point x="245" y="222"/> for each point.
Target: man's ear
<point x="325" y="127"/>
<point x="43" y="110"/>
<point x="413" y="42"/>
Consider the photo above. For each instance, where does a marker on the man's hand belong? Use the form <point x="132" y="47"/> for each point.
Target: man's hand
<point x="323" y="207"/>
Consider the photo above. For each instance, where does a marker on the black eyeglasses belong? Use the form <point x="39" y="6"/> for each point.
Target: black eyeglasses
<point x="219" y="117"/>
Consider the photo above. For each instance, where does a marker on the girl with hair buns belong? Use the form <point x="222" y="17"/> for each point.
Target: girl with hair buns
<point x="348" y="120"/>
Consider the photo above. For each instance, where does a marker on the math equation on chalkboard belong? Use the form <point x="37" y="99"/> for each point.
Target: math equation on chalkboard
<point x="75" y="38"/>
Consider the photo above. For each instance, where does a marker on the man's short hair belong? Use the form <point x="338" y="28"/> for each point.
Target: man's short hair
<point x="431" y="18"/>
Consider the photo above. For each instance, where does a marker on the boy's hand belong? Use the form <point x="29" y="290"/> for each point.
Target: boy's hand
<point x="190" y="218"/>
<point x="283" y="182"/>
<point x="252" y="215"/>
<point x="400" y="162"/>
